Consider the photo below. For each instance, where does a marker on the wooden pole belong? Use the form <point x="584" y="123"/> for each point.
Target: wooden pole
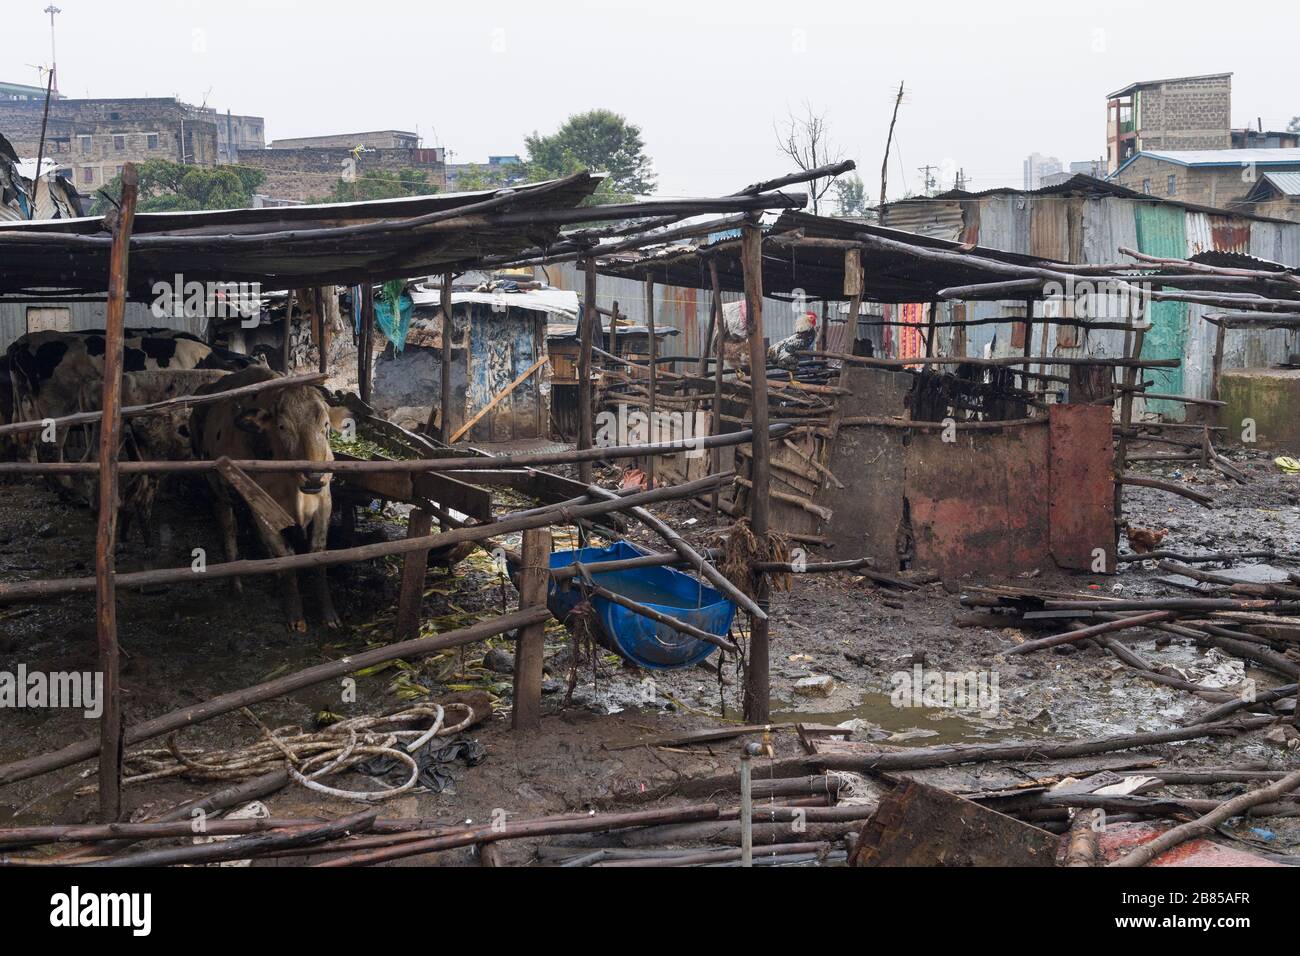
<point x="613" y="329"/>
<point x="586" y="329"/>
<point x="715" y="456"/>
<point x="323" y="313"/>
<point x="534" y="578"/>
<point x="415" y="566"/>
<point x="364" y="340"/>
<point x="757" y="689"/>
<point x="447" y="325"/>
<point x="654" y="391"/>
<point x="110" y="432"/>
<point x="286" y="334"/>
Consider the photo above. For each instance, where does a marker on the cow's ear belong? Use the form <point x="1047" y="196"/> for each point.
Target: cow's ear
<point x="253" y="420"/>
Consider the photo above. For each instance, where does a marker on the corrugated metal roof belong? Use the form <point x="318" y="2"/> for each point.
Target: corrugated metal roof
<point x="1224" y="157"/>
<point x="1286" y="183"/>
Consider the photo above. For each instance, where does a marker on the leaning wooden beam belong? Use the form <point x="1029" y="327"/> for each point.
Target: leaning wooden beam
<point x="659" y="617"/>
<point x="482" y="463"/>
<point x="1210" y="822"/>
<point x="497" y="399"/>
<point x="197" y="713"/>
<point x="678" y="544"/>
<point x="1128" y="478"/>
<point x="110" y="440"/>
<point x="1109" y="627"/>
<point x="241" y="848"/>
<point x="38" y="590"/>
<point x="160" y="408"/>
<point x="524" y="829"/>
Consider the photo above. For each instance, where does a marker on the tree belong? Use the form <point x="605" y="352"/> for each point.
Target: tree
<point x="1294" y="125"/>
<point x="175" y="187"/>
<point x="597" y="141"/>
<point x="379" y="184"/>
<point x="851" y="195"/>
<point x="806" y="140"/>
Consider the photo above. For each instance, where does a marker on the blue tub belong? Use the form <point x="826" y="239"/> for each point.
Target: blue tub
<point x="634" y="636"/>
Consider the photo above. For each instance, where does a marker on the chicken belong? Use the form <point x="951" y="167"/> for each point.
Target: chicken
<point x="1144" y="540"/>
<point x="785" y="354"/>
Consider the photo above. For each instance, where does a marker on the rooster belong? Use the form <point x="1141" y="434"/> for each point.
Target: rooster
<point x="785" y="354"/>
<point x="1144" y="540"/>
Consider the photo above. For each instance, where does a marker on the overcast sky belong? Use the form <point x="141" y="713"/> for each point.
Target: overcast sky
<point x="987" y="82"/>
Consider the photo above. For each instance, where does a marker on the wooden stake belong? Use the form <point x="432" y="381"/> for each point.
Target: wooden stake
<point x="757" y="689"/>
<point x="654" y="356"/>
<point x="415" y="567"/>
<point x="286" y="335"/>
<point x="586" y="329"/>
<point x="447" y="325"/>
<point x="715" y="456"/>
<point x="364" y="340"/>
<point x="110" y="432"/>
<point x="534" y="578"/>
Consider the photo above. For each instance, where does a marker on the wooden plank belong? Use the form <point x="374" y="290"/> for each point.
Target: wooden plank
<point x="415" y="566"/>
<point x="534" y="578"/>
<point x="498" y="399"/>
<point x="266" y="510"/>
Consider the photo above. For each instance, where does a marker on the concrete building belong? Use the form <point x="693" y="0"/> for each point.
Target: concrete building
<point x="304" y="173"/>
<point x="1096" y="168"/>
<point x="21" y="92"/>
<point x="94" y="138"/>
<point x="375" y="139"/>
<point x="497" y="171"/>
<point x="1264" y="139"/>
<point x="1275" y="194"/>
<point x="1187" y="112"/>
<point x="1037" y="166"/>
<point x="1208" y="177"/>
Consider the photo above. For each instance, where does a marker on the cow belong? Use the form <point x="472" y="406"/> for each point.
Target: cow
<point x="284" y="424"/>
<point x="56" y="374"/>
<point x="159" y="437"/>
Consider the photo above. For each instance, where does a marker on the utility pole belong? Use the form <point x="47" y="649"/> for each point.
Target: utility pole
<point x="889" y="141"/>
<point x="54" y="57"/>
<point x="930" y="181"/>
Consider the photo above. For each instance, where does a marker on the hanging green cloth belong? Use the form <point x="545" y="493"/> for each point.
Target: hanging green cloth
<point x="393" y="326"/>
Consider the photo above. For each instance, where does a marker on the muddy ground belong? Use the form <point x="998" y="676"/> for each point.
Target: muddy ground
<point x="184" y="644"/>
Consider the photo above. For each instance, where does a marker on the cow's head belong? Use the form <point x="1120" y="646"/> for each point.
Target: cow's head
<point x="294" y="425"/>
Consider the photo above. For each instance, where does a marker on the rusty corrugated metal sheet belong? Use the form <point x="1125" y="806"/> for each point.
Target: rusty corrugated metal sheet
<point x="1081" y="486"/>
<point x="940" y="218"/>
<point x="1230" y="234"/>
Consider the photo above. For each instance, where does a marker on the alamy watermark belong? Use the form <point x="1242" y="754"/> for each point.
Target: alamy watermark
<point x="952" y="690"/>
<point x="78" y="690"/>
<point x="635" y="427"/>
<point x="1101" y="298"/>
<point x="177" y="299"/>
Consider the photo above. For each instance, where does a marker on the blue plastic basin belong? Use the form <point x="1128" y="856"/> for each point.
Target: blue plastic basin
<point x="634" y="636"/>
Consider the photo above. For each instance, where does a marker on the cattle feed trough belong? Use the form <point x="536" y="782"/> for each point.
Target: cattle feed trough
<point x="381" y="241"/>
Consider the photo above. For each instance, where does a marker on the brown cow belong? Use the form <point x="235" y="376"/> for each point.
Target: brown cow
<point x="285" y="424"/>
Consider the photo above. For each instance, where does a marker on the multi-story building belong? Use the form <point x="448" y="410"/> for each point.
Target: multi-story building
<point x="1187" y="112"/>
<point x="497" y="171"/>
<point x="308" y="167"/>
<point x="94" y="138"/>
<point x="1208" y="177"/>
<point x="1037" y="166"/>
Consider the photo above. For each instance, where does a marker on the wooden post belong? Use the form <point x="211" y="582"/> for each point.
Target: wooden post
<point x="415" y="566"/>
<point x="534" y="577"/>
<point x="448" y="323"/>
<point x="654" y="361"/>
<point x="364" y="339"/>
<point x="322" y="327"/>
<point x="586" y="329"/>
<point x="1220" y="340"/>
<point x="110" y="431"/>
<point x="287" y="334"/>
<point x="714" y="324"/>
<point x="1133" y="342"/>
<point x="716" y="427"/>
<point x="932" y="329"/>
<point x="613" y="329"/>
<point x="757" y="689"/>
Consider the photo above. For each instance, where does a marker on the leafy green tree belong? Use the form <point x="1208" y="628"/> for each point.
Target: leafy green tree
<point x="851" y="195"/>
<point x="175" y="187"/>
<point x="599" y="141"/>
<point x="379" y="184"/>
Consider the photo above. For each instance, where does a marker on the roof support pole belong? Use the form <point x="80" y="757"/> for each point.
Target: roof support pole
<point x="110" y="431"/>
<point x="586" y="329"/>
<point x="448" y="325"/>
<point x="757" y="684"/>
<point x="715" y="460"/>
<point x="286" y="334"/>
<point x="364" y="340"/>
<point x="654" y="378"/>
